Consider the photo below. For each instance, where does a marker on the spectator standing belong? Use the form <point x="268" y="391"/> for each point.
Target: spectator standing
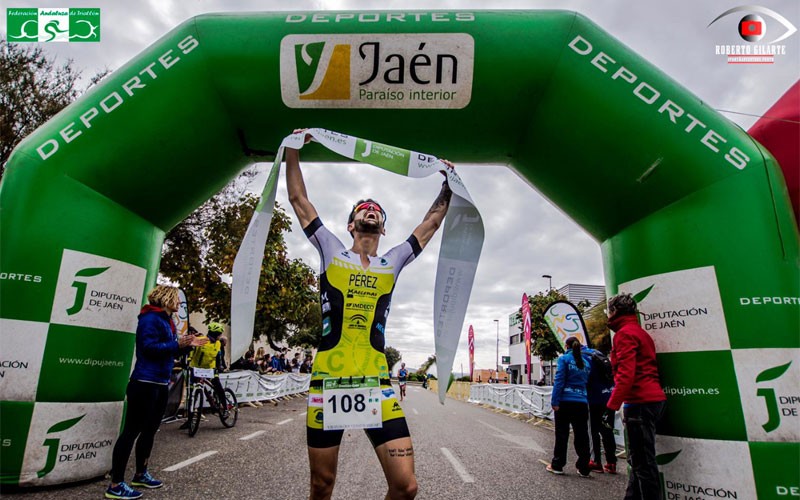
<point x="600" y="387"/>
<point x="306" y="366"/>
<point x="277" y="365"/>
<point x="637" y="384"/>
<point x="571" y="406"/>
<point x="296" y="363"/>
<point x="157" y="344"/>
<point x="265" y="364"/>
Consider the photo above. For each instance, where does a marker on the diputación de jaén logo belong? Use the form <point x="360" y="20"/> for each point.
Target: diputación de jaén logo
<point x="770" y="399"/>
<point x="56" y="24"/>
<point x="753" y="28"/>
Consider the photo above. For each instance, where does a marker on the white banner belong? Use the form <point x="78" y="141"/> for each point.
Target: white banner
<point x="252" y="386"/>
<point x="462" y="241"/>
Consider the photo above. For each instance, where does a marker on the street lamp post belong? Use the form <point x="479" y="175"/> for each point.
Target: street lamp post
<point x="550" y="278"/>
<point x="497" y="354"/>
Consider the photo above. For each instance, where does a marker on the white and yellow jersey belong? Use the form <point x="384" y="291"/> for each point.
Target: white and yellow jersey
<point x="355" y="304"/>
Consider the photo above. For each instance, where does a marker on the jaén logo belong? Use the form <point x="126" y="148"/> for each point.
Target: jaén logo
<point x="323" y="70"/>
<point x="752" y="28"/>
<point x="57" y="24"/>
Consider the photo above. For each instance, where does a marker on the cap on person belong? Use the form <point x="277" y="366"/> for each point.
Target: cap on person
<point x="215" y="329"/>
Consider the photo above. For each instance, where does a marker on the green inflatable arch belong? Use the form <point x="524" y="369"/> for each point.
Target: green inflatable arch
<point x="693" y="215"/>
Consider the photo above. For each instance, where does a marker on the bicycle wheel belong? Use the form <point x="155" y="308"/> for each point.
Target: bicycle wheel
<point x="229" y="418"/>
<point x="195" y="410"/>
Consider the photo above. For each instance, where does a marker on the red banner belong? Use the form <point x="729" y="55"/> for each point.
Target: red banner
<point x="471" y="352"/>
<point x="526" y="327"/>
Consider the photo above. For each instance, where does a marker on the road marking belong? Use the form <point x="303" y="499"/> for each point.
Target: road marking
<point x="415" y="411"/>
<point x="465" y="476"/>
<point x="527" y="442"/>
<point x="284" y="421"/>
<point x="303" y="414"/>
<point x="190" y="461"/>
<point x="251" y="436"/>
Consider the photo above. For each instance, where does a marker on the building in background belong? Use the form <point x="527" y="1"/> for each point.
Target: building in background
<point x="575" y="293"/>
<point x="481" y="376"/>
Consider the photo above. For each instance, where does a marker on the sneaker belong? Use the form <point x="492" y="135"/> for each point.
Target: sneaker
<point x="122" y="491"/>
<point x="611" y="468"/>
<point x="581" y="474"/>
<point x="595" y="467"/>
<point x="558" y="472"/>
<point x="145" y="480"/>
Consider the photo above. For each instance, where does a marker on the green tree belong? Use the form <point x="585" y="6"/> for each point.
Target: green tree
<point x="597" y="327"/>
<point x="427" y="364"/>
<point x="199" y="252"/>
<point x="392" y="356"/>
<point x="543" y="343"/>
<point x="33" y="88"/>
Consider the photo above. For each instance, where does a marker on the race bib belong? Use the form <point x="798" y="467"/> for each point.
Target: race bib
<point x="351" y="403"/>
<point x="203" y="372"/>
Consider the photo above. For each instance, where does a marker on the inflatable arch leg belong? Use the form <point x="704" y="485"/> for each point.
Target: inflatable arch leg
<point x="685" y="204"/>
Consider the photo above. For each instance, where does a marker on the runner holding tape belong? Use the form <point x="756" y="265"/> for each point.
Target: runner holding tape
<point x="350" y="384"/>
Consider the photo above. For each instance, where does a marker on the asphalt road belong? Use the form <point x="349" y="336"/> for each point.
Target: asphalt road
<point x="462" y="452"/>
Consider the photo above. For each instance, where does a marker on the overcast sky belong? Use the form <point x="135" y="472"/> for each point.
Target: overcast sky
<point x="526" y="236"/>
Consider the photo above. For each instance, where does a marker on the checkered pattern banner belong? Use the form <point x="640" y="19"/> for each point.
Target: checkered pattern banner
<point x="63" y="379"/>
<point x="731" y="428"/>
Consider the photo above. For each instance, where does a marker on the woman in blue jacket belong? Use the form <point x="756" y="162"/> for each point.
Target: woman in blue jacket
<point x="571" y="406"/>
<point x="157" y="345"/>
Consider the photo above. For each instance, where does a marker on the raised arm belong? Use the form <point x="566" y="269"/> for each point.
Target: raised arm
<point x="296" y="187"/>
<point x="433" y="219"/>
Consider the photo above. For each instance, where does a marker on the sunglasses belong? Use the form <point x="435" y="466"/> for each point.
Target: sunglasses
<point x="367" y="205"/>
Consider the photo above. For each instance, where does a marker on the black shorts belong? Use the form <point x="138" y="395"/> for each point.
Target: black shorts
<point x="392" y="429"/>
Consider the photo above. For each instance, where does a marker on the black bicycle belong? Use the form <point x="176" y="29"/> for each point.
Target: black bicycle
<point x="200" y="388"/>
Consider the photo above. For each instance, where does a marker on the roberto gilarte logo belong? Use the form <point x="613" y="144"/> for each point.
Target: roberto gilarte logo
<point x="761" y="28"/>
<point x="57" y="24"/>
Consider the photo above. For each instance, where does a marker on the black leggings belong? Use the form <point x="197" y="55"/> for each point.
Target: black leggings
<point x="576" y="415"/>
<point x="146" y="405"/>
<point x="601" y="433"/>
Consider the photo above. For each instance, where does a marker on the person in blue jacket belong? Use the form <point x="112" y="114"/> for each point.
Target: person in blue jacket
<point x="571" y="406"/>
<point x="157" y="345"/>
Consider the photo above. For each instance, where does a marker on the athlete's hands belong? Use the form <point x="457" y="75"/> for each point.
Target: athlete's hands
<point x="450" y="167"/>
<point x="307" y="138"/>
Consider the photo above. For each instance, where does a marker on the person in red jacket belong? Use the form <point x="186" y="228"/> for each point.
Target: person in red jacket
<point x="636" y="384"/>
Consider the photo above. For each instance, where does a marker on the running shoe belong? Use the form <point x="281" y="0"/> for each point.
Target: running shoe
<point x="595" y="467"/>
<point x="582" y="474"/>
<point x="557" y="472"/>
<point x="145" y="480"/>
<point x="122" y="492"/>
<point x="611" y="468"/>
